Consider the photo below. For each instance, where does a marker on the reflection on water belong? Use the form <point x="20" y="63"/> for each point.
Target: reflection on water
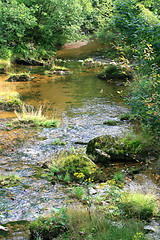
<point x="92" y="49"/>
<point x="60" y="92"/>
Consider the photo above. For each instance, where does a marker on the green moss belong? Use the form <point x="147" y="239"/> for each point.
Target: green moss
<point x="73" y="167"/>
<point x="110" y="122"/>
<point x="9" y="180"/>
<point x="10" y="101"/>
<point x="127" y="148"/>
<point x="19" y="77"/>
<point x="115" y="71"/>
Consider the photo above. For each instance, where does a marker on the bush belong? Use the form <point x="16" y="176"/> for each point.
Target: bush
<point x="145" y="100"/>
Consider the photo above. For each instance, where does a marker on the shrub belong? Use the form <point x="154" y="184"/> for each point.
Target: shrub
<point x="145" y="101"/>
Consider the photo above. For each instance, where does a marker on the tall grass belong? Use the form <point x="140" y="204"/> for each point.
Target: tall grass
<point x="36" y="117"/>
<point x="139" y="205"/>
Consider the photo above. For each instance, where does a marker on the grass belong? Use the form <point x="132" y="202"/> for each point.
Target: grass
<point x="76" y="223"/>
<point x="35" y="117"/>
<point x="59" y="142"/>
<point x="110" y="122"/>
<point x="78" y="192"/>
<point x="139" y="205"/>
<point x="27" y="74"/>
<point x="9" y="180"/>
<point x="10" y="100"/>
<point x="5" y="64"/>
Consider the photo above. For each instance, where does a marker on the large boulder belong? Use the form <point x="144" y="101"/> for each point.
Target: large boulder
<point x="106" y="149"/>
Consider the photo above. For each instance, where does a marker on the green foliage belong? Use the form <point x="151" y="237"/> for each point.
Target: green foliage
<point x="78" y="192"/>
<point x="50" y="226"/>
<point x="9" y="180"/>
<point x="139" y="205"/>
<point x="145" y="101"/>
<point x="73" y="167"/>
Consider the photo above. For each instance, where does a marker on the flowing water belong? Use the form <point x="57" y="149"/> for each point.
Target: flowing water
<point x="82" y="103"/>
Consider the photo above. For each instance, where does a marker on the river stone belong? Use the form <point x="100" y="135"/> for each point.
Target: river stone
<point x="29" y="62"/>
<point x="19" y="78"/>
<point x="113" y="149"/>
<point x="115" y="71"/>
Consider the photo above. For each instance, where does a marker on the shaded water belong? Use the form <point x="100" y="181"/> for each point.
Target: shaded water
<point x="82" y="103"/>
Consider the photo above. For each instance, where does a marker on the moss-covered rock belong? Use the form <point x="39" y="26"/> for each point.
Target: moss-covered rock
<point x="89" y="62"/>
<point x="116" y="71"/>
<point x="10" y="101"/>
<point x="19" y="77"/>
<point x="112" y="149"/>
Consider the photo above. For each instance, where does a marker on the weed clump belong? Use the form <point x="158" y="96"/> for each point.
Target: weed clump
<point x="139" y="205"/>
<point x="35" y="117"/>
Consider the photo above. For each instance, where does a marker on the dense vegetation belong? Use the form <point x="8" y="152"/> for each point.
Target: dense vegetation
<point x="130" y="29"/>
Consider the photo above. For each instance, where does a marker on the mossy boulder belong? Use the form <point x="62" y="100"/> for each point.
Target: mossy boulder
<point x="89" y="62"/>
<point x="116" y="71"/>
<point x="10" y="101"/>
<point x="106" y="149"/>
<point x="59" y="70"/>
<point x="19" y="78"/>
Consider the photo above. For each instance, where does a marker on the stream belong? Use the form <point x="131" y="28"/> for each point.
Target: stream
<point x="82" y="103"/>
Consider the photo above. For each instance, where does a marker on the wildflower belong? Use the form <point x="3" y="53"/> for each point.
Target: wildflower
<point x="79" y="175"/>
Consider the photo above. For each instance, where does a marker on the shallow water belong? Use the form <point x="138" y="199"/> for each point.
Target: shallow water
<point x="82" y="103"/>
